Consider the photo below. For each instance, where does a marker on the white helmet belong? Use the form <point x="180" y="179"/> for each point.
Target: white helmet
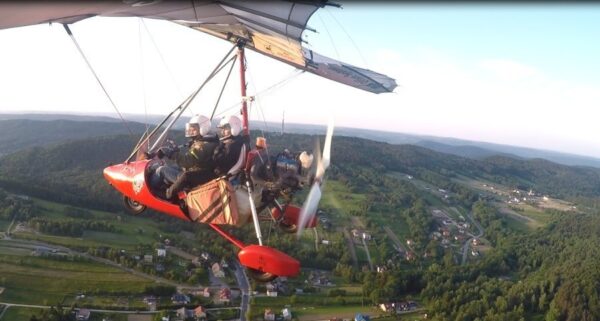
<point x="198" y="125"/>
<point x="231" y="123"/>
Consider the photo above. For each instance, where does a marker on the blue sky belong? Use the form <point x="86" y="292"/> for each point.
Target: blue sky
<point x="519" y="74"/>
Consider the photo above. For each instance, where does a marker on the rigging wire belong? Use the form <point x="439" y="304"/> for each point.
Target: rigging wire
<point x="164" y="62"/>
<point x="349" y="37"/>
<point x="68" y="30"/>
<point x="296" y="73"/>
<point x="337" y="54"/>
<point x="232" y="61"/>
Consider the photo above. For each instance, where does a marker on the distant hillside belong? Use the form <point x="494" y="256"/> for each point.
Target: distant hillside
<point x="72" y="172"/>
<point x="460" y="147"/>
<point x="17" y="134"/>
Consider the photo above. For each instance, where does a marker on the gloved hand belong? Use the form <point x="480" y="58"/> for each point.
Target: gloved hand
<point x="165" y="151"/>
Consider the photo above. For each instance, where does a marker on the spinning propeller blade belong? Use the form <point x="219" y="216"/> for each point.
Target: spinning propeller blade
<point x="309" y="209"/>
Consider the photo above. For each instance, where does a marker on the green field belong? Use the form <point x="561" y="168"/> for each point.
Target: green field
<point x="19" y="314"/>
<point x="4" y="225"/>
<point x="339" y="197"/>
<point x="36" y="280"/>
<point x="131" y="231"/>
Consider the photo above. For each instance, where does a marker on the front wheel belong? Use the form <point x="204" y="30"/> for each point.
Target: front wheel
<point x="261" y="276"/>
<point x="132" y="206"/>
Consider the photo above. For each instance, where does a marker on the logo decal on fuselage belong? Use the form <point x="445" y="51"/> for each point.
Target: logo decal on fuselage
<point x="138" y="183"/>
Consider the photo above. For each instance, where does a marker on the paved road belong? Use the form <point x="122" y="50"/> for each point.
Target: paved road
<point x="466" y="245"/>
<point x="242" y="280"/>
<point x="351" y="247"/>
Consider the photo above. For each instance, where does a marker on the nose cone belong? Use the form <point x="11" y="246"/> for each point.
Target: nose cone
<point x="112" y="173"/>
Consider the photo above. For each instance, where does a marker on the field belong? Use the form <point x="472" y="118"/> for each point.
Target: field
<point x="36" y="280"/>
<point x="19" y="314"/>
<point x="339" y="197"/>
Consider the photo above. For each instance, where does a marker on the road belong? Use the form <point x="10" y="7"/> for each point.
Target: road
<point x="466" y="245"/>
<point x="368" y="254"/>
<point x="244" y="285"/>
<point x="351" y="247"/>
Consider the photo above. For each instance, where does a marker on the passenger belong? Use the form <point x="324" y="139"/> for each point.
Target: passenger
<point x="231" y="144"/>
<point x="195" y="163"/>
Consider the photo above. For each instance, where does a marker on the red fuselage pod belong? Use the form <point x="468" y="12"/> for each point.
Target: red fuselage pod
<point x="266" y="259"/>
<point x="130" y="180"/>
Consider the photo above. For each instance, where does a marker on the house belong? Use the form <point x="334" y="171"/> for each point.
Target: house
<point x="366" y="236"/>
<point x="217" y="271"/>
<point x="200" y="313"/>
<point x="271" y="290"/>
<point x="225" y="295"/>
<point x="184" y="313"/>
<point x="149" y="300"/>
<point x="386" y="307"/>
<point x="179" y="298"/>
<point x="287" y="314"/>
<point x="269" y="315"/>
<point x="206" y="293"/>
<point x="474" y="252"/>
<point x="475" y="241"/>
<point x="224" y="264"/>
<point x="325" y="242"/>
<point x="148" y="258"/>
<point x="361" y="317"/>
<point x="161" y="252"/>
<point x="205" y="256"/>
<point x="381" y="269"/>
<point x="82" y="315"/>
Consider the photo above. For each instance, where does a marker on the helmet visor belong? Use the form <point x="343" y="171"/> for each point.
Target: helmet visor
<point x="192" y="130"/>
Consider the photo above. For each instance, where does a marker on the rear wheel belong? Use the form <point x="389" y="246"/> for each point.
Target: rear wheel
<point x="261" y="276"/>
<point x="132" y="206"/>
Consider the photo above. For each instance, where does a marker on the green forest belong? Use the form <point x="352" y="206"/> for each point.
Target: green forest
<point x="548" y="273"/>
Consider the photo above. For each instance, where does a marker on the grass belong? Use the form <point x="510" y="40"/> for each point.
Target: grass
<point x="4" y="225"/>
<point x="131" y="231"/>
<point x="517" y="225"/>
<point x="338" y="196"/>
<point x="37" y="280"/>
<point x="20" y="314"/>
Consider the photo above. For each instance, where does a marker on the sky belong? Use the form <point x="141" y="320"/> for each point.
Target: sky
<point x="518" y="74"/>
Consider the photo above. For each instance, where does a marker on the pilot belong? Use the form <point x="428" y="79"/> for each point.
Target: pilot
<point x="195" y="162"/>
<point x="230" y="147"/>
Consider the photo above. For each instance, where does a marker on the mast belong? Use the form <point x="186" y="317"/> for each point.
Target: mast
<point x="241" y="58"/>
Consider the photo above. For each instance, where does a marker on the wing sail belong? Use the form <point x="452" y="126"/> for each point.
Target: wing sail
<point x="273" y="28"/>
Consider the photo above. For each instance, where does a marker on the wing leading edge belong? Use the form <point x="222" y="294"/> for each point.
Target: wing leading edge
<point x="273" y="28"/>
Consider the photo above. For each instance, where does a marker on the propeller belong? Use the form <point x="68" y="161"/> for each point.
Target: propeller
<point x="309" y="209"/>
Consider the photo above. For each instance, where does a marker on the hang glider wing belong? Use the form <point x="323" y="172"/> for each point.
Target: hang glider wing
<point x="273" y="28"/>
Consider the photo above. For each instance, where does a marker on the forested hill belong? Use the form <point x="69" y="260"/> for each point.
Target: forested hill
<point x="72" y="171"/>
<point x="17" y="134"/>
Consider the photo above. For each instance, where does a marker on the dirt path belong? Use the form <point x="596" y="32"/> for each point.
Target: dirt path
<point x="368" y="254"/>
<point x="399" y="246"/>
<point x="351" y="247"/>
